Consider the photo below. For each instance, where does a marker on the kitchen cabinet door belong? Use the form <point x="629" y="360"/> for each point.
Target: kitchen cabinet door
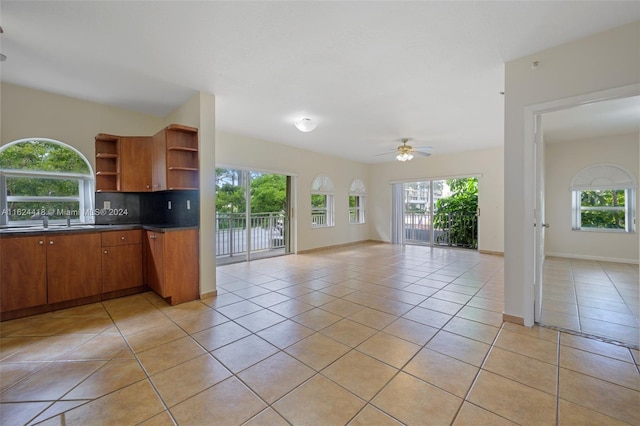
<point x="73" y="266"/>
<point x="155" y="262"/>
<point x="23" y="277"/>
<point x="121" y="267"/>
<point x="173" y="265"/>
<point x="135" y="164"/>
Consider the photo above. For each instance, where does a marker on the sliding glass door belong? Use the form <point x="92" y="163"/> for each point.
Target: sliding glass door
<point x="436" y="212"/>
<point x="251" y="215"/>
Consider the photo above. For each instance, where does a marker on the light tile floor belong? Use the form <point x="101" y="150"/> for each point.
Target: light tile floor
<point x="592" y="297"/>
<point x="373" y="334"/>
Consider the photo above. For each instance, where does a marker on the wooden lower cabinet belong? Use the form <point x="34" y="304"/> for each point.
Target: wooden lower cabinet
<point x="23" y="273"/>
<point x="48" y="269"/>
<point x="38" y="271"/>
<point x="73" y="266"/>
<point x="172" y="264"/>
<point x="121" y="260"/>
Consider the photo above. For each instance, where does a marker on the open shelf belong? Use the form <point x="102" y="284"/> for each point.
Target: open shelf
<point x="107" y="162"/>
<point x="182" y="148"/>
<point x="184" y="169"/>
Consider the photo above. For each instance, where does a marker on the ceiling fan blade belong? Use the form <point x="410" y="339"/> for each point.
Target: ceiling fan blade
<point x="423" y="148"/>
<point x="393" y="151"/>
<point x="422" y="153"/>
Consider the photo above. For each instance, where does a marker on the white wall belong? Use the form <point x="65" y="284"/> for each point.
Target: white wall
<point x="562" y="161"/>
<point x="33" y="113"/>
<point x="602" y="61"/>
<point x="488" y="164"/>
<point x="249" y="153"/>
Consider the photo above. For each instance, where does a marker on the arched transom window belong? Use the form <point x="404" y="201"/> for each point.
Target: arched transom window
<point x="44" y="177"/>
<point x="603" y="199"/>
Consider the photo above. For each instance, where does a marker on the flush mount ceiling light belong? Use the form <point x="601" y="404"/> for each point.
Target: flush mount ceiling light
<point x="306" y="125"/>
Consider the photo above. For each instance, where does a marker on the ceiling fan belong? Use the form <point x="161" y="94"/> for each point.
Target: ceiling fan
<point x="406" y="152"/>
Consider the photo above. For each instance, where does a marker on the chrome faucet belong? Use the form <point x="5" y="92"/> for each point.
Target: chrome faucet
<point x="68" y="218"/>
<point x="45" y="221"/>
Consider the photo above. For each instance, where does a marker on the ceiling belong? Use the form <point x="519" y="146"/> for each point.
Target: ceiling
<point x="368" y="72"/>
<point x="593" y="120"/>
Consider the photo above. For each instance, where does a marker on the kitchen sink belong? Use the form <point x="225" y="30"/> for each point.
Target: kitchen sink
<point x="40" y="228"/>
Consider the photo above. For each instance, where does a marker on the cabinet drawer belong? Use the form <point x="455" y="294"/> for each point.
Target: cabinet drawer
<point x="121" y="238"/>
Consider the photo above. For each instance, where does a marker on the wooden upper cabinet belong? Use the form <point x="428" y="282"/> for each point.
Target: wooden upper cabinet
<point x="135" y="164"/>
<point x="175" y="158"/>
<point x="23" y="273"/>
<point x="167" y="160"/>
<point x="107" y="162"/>
<point x="159" y="161"/>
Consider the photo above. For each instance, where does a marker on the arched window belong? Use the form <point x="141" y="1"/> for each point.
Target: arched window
<point x="44" y="177"/>
<point x="603" y="199"/>
<point x="322" y="211"/>
<point x="356" y="201"/>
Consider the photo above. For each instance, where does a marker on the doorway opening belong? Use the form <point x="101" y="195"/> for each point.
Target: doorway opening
<point x="438" y="212"/>
<point x="585" y="263"/>
<point x="252" y="220"/>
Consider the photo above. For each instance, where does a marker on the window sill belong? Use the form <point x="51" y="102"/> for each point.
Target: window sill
<point x="603" y="230"/>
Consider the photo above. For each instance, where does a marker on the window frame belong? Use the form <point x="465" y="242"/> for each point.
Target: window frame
<point x="357" y="214"/>
<point x="603" y="177"/>
<point x="323" y="186"/>
<point x="629" y="211"/>
<point x="86" y="188"/>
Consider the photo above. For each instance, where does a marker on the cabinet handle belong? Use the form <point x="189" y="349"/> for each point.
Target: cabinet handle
<point x="148" y="186"/>
<point x="50" y="243"/>
<point x="122" y="238"/>
<point x="41" y="242"/>
<point x="106" y="252"/>
<point x="153" y="237"/>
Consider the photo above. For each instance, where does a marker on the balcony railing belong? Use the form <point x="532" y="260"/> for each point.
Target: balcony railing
<point x="319" y="219"/>
<point x="446" y="229"/>
<point x="266" y="232"/>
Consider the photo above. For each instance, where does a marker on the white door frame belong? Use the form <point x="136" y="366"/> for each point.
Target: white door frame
<point x="532" y="114"/>
<point x="539" y="217"/>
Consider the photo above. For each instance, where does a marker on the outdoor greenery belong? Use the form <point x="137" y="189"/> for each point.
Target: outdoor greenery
<point x="603" y="209"/>
<point x="41" y="156"/>
<point x="457" y="213"/>
<point x="268" y="194"/>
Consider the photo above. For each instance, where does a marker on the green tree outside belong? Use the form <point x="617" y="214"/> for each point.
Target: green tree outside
<point x="456" y="213"/>
<point x="603" y="209"/>
<point x="42" y="156"/>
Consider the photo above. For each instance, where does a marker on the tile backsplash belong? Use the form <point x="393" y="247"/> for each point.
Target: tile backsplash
<point x="151" y="208"/>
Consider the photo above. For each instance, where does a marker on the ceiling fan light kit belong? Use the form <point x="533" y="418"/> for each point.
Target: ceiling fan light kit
<point x="405" y="156"/>
<point x="306" y="125"/>
<point x="406" y="152"/>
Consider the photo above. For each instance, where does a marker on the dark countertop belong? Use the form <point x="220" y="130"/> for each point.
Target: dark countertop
<point x="169" y="228"/>
<point x="83" y="228"/>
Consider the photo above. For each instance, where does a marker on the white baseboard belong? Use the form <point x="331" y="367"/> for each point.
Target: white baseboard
<point x="598" y="258"/>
